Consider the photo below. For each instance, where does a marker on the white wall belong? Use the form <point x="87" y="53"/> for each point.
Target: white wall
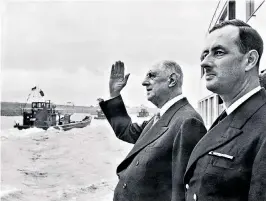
<point x="259" y="23"/>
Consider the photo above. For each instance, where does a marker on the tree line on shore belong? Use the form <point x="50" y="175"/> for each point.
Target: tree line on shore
<point x="15" y="109"/>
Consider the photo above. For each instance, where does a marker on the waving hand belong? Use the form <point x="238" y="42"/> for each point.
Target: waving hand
<point x="117" y="79"/>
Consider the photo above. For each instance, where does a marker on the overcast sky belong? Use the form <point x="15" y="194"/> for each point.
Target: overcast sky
<point x="66" y="48"/>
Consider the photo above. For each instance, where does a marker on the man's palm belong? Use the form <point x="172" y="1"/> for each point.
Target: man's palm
<point x="117" y="78"/>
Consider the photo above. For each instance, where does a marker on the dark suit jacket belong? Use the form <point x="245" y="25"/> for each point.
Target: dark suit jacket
<point x="229" y="163"/>
<point x="146" y="173"/>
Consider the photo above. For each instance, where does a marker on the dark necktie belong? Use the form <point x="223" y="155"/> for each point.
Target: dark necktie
<point x="222" y="116"/>
<point x="156" y="117"/>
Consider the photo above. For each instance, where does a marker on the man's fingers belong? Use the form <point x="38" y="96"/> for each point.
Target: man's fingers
<point x="117" y="63"/>
<point x="121" y="69"/>
<point x="112" y="71"/>
<point x="126" y="77"/>
<point x="118" y="70"/>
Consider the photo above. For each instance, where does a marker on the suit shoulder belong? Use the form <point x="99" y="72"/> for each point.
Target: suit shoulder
<point x="187" y="117"/>
<point x="259" y="118"/>
<point x="189" y="112"/>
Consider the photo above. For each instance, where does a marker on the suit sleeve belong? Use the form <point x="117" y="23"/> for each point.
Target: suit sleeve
<point x="257" y="189"/>
<point x="191" y="131"/>
<point x="116" y="114"/>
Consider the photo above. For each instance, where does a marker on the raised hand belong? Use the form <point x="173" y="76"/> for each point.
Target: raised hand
<point x="117" y="79"/>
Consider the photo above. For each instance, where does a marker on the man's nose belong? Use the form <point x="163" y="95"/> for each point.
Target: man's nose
<point x="145" y="82"/>
<point x="206" y="63"/>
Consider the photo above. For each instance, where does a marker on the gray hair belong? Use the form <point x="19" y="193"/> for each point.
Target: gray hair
<point x="173" y="67"/>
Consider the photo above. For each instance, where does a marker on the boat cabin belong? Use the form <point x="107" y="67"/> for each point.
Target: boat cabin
<point x="41" y="114"/>
<point x="143" y="113"/>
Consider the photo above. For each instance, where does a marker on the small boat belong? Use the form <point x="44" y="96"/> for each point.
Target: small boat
<point x="143" y="113"/>
<point x="100" y="114"/>
<point x="74" y="124"/>
<point x="44" y="115"/>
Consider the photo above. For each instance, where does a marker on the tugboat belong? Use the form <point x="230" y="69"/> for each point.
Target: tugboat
<point x="43" y="114"/>
<point x="100" y="114"/>
<point x="40" y="115"/>
<point x="143" y="113"/>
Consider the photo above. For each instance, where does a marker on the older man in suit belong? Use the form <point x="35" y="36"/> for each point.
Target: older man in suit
<point x="229" y="162"/>
<point x="160" y="143"/>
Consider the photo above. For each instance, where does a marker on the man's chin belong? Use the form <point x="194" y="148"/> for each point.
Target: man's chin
<point x="150" y="98"/>
<point x="211" y="86"/>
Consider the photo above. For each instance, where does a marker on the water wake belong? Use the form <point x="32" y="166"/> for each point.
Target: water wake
<point x="9" y="193"/>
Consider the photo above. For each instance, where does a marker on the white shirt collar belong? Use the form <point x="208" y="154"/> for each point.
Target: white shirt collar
<point x="241" y="100"/>
<point x="169" y="103"/>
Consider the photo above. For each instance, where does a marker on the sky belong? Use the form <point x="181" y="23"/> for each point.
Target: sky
<point x="67" y="48"/>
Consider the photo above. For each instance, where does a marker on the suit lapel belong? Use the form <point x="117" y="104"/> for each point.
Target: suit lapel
<point x="147" y="127"/>
<point x="217" y="136"/>
<point x="150" y="135"/>
<point x="158" y="129"/>
<point x="228" y="128"/>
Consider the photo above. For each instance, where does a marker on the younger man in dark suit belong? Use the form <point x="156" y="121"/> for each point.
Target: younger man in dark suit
<point x="160" y="145"/>
<point x="229" y="163"/>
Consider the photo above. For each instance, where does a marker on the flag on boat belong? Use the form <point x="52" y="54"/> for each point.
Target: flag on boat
<point x="41" y="93"/>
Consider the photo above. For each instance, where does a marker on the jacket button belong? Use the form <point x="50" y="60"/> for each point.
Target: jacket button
<point x="195" y="197"/>
<point x="187" y="186"/>
<point x="137" y="163"/>
<point x="125" y="185"/>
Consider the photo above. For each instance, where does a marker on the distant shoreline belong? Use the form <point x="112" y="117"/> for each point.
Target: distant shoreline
<point x="14" y="109"/>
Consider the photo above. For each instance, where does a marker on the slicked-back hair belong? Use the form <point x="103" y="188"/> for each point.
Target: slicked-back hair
<point x="249" y="38"/>
<point x="173" y="67"/>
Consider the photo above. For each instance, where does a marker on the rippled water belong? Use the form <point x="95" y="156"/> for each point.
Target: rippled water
<point x="54" y="165"/>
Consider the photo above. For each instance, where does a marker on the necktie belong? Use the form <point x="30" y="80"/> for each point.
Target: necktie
<point x="156" y="117"/>
<point x="222" y="116"/>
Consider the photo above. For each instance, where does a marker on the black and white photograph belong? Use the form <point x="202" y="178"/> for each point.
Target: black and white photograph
<point x="122" y="100"/>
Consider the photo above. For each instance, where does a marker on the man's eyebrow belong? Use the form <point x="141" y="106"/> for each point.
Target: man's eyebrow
<point x="202" y="54"/>
<point x="151" y="72"/>
<point x="218" y="47"/>
<point x="214" y="48"/>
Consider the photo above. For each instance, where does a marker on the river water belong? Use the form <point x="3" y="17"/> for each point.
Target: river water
<point x="53" y="165"/>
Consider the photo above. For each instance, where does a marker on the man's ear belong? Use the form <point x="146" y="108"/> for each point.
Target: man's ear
<point x="251" y="60"/>
<point x="173" y="79"/>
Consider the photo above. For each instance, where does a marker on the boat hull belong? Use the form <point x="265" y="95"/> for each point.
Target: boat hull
<point x="64" y="127"/>
<point x="21" y="127"/>
<point x="142" y="115"/>
<point x="99" y="117"/>
<point x="79" y="124"/>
